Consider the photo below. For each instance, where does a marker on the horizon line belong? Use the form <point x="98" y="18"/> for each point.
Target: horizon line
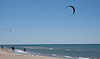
<point x="42" y="43"/>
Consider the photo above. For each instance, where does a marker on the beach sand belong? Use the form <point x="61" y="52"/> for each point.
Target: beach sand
<point x="8" y="54"/>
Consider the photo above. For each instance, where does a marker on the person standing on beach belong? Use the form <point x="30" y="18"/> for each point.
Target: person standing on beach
<point x="13" y="48"/>
<point x="2" y="47"/>
<point x="24" y="49"/>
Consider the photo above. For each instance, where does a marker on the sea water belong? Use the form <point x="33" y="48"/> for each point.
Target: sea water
<point x="68" y="51"/>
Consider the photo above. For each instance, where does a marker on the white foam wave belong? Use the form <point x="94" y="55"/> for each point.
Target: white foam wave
<point x="79" y="50"/>
<point x="68" y="57"/>
<point x="51" y="48"/>
<point x="40" y="48"/>
<point x="53" y="54"/>
<point x="67" y="49"/>
<point x="19" y="51"/>
<point x="83" y="58"/>
<point x="35" y="47"/>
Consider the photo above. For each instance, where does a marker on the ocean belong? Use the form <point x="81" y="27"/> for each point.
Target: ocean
<point x="67" y="51"/>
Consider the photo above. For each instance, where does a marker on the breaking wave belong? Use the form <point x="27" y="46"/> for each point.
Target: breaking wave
<point x="19" y="51"/>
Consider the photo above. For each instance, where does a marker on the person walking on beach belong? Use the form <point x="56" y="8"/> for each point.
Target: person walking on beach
<point x="2" y="47"/>
<point x="13" y="48"/>
<point x="24" y="49"/>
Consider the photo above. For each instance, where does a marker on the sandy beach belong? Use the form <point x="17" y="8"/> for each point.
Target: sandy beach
<point x="8" y="54"/>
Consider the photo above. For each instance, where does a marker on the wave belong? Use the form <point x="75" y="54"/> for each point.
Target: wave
<point x="40" y="48"/>
<point x="67" y="56"/>
<point x="67" y="49"/>
<point x="50" y="48"/>
<point x="54" y="55"/>
<point x="73" y="50"/>
<point x="82" y="58"/>
<point x="79" y="50"/>
<point x="19" y="51"/>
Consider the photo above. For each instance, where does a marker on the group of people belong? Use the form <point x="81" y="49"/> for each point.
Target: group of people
<point x="13" y="48"/>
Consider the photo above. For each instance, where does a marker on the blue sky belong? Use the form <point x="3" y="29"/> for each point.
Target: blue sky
<point x="49" y="22"/>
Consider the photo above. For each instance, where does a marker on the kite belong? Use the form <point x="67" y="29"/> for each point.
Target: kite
<point x="72" y="8"/>
<point x="9" y="29"/>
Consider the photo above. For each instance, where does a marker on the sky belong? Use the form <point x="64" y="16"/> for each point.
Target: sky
<point x="49" y="22"/>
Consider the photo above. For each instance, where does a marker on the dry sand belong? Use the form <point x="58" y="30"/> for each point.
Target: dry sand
<point x="8" y="54"/>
